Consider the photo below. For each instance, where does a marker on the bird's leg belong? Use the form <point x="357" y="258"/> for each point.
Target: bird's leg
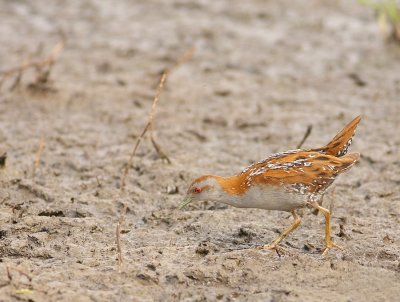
<point x="328" y="241"/>
<point x="275" y="244"/>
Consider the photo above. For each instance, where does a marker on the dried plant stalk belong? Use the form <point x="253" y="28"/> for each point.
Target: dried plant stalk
<point x="120" y="223"/>
<point x="38" y="156"/>
<point x="38" y="65"/>
<point x="18" y="271"/>
<point x="159" y="151"/>
<point x="306" y="135"/>
<point x="150" y="120"/>
<point x="148" y="127"/>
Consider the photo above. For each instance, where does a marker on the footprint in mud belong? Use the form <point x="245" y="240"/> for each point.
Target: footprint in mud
<point x="206" y="247"/>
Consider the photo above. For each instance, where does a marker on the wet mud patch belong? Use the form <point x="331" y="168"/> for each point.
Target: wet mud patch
<point x="261" y="74"/>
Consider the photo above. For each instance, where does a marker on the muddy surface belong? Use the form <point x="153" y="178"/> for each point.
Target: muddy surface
<point x="262" y="72"/>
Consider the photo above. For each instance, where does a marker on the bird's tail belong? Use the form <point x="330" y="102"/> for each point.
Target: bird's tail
<point x="340" y="143"/>
<point x="338" y="147"/>
<point x="347" y="162"/>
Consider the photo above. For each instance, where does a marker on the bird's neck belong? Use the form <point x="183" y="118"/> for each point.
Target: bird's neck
<point x="232" y="186"/>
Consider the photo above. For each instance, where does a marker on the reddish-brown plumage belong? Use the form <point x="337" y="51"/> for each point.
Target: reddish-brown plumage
<point x="304" y="172"/>
<point x="284" y="181"/>
<point x="297" y="171"/>
<point x="340" y="143"/>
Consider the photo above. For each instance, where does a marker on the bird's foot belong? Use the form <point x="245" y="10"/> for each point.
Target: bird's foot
<point x="331" y="245"/>
<point x="273" y="246"/>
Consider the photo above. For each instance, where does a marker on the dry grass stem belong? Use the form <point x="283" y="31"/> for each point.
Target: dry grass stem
<point x="159" y="151"/>
<point x="8" y="273"/>
<point x="3" y="158"/>
<point x="38" y="65"/>
<point x="16" y="82"/>
<point x="306" y="135"/>
<point x="38" y="156"/>
<point x="120" y="223"/>
<point x="150" y="120"/>
<point x="18" y="271"/>
<point x="148" y="127"/>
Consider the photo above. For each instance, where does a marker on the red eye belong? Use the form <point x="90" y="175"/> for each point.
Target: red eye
<point x="197" y="190"/>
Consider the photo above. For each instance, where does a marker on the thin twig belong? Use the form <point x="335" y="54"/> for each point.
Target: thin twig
<point x="8" y="273"/>
<point x="150" y="121"/>
<point x="120" y="223"/>
<point x="130" y="161"/>
<point x="19" y="271"/>
<point x="18" y="78"/>
<point x="306" y="135"/>
<point x="16" y="82"/>
<point x="159" y="151"/>
<point x="3" y="158"/>
<point x="38" y="65"/>
<point x="38" y="156"/>
<point x="148" y="127"/>
<point x="98" y="182"/>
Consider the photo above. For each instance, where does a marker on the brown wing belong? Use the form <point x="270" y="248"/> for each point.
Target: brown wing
<point x="304" y="172"/>
<point x="340" y="143"/>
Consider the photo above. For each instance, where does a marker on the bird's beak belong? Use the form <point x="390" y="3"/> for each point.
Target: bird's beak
<point x="185" y="202"/>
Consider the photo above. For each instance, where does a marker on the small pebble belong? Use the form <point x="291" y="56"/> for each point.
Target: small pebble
<point x="172" y="190"/>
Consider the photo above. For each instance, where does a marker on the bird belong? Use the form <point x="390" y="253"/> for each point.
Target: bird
<point x="285" y="181"/>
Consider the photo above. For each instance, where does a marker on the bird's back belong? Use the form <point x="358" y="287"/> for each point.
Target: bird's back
<point x="299" y="171"/>
<point x="306" y="171"/>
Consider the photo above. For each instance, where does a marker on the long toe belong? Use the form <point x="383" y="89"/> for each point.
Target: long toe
<point x="329" y="246"/>
<point x="278" y="249"/>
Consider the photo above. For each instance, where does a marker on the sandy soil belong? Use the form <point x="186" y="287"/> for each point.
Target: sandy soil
<point x="262" y="72"/>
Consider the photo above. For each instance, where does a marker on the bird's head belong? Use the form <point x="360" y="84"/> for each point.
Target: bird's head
<point x="203" y="188"/>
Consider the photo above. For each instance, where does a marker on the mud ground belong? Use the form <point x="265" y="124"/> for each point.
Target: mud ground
<point x="262" y="72"/>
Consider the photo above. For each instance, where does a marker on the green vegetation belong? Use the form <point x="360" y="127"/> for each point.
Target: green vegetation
<point x="388" y="16"/>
